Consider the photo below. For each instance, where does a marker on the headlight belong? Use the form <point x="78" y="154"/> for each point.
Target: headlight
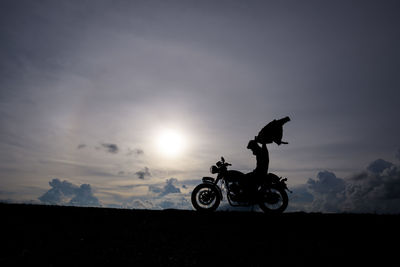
<point x="214" y="169"/>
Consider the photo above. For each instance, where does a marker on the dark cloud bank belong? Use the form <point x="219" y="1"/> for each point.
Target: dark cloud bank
<point x="375" y="190"/>
<point x="66" y="193"/>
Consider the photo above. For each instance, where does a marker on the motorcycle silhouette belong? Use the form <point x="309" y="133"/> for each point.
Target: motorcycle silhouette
<point x="268" y="191"/>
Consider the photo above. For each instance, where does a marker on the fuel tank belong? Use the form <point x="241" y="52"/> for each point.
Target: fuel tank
<point x="234" y="176"/>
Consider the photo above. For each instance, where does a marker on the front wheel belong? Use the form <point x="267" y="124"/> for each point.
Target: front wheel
<point x="273" y="199"/>
<point x="205" y="197"/>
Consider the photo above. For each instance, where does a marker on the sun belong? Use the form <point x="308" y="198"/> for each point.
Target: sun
<point x="170" y="143"/>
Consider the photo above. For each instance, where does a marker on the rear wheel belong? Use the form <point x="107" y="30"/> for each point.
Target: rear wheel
<point x="273" y="199"/>
<point x="205" y="197"/>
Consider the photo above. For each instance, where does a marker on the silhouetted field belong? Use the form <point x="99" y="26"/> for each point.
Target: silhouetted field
<point x="54" y="235"/>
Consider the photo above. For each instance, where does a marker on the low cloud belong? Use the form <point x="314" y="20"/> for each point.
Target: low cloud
<point x="66" y="193"/>
<point x="375" y="190"/>
<point x="140" y="204"/>
<point x="164" y="196"/>
<point x="111" y="148"/>
<point x="300" y="199"/>
<point x="168" y="188"/>
<point x="327" y="191"/>
<point x="143" y="174"/>
<point x="168" y="202"/>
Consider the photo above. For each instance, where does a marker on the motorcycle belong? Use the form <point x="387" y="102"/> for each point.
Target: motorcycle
<point x="269" y="192"/>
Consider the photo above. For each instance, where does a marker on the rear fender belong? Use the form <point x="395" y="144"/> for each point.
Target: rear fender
<point x="278" y="182"/>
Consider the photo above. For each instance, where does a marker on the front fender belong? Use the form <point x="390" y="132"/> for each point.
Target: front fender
<point x="210" y="181"/>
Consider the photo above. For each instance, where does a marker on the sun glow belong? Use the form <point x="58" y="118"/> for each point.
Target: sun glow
<point x="171" y="143"/>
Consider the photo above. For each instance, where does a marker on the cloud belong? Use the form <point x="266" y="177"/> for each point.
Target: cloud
<point x="167" y="204"/>
<point x="155" y="189"/>
<point x="172" y="201"/>
<point x="175" y="202"/>
<point x="112" y="148"/>
<point x="84" y="197"/>
<point x="169" y="188"/>
<point x="59" y="192"/>
<point x="66" y="193"/>
<point x="300" y="198"/>
<point x="163" y="196"/>
<point x="136" y="151"/>
<point x="140" y="204"/>
<point x="143" y="174"/>
<point x="80" y="146"/>
<point x="326" y="183"/>
<point x="375" y="190"/>
<point x="327" y="191"/>
<point x="379" y="165"/>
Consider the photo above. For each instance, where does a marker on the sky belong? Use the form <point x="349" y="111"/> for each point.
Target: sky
<point x="128" y="103"/>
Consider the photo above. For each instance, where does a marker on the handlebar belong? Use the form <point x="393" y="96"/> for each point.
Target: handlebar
<point x="223" y="162"/>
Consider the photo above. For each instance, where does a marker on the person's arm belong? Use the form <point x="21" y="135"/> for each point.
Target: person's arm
<point x="264" y="147"/>
<point x="265" y="150"/>
<point x="266" y="155"/>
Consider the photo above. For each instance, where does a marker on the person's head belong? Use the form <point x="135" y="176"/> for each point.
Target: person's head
<point x="253" y="146"/>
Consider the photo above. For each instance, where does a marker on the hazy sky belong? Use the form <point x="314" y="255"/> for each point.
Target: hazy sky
<point x="88" y="87"/>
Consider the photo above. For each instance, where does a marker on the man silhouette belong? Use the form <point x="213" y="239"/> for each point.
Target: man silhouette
<point x="261" y="170"/>
<point x="262" y="157"/>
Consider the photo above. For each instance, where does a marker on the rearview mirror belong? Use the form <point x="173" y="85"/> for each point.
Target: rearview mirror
<point x="222" y="159"/>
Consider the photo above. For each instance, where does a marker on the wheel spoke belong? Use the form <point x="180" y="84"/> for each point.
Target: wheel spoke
<point x="273" y="200"/>
<point x="205" y="197"/>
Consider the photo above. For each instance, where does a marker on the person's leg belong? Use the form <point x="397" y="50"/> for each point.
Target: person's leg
<point x="248" y="184"/>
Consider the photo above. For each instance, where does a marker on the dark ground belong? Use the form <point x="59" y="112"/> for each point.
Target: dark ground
<point x="54" y="235"/>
